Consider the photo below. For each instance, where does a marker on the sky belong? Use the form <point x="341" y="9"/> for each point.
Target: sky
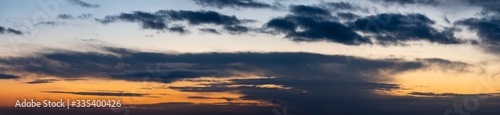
<point x="271" y="57"/>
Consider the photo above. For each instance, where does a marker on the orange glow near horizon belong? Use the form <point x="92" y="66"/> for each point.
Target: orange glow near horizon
<point x="155" y="92"/>
<point x="444" y="82"/>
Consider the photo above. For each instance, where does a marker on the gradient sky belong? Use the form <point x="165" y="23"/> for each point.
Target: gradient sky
<point x="310" y="57"/>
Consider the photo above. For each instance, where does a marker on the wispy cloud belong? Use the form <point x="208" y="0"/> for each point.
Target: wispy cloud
<point x="7" y="76"/>
<point x="4" y="30"/>
<point x="233" y="3"/>
<point x="100" y="93"/>
<point x="84" y="4"/>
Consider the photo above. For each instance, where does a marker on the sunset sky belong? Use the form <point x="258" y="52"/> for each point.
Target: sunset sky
<point x="265" y="57"/>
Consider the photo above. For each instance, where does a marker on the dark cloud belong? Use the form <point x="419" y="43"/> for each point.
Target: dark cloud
<point x="100" y="93"/>
<point x="309" y="23"/>
<point x="392" y="28"/>
<point x="233" y="3"/>
<point x="17" y="32"/>
<point x="203" y="97"/>
<point x="73" y="79"/>
<point x="39" y="81"/>
<point x="315" y="30"/>
<point x="488" y="6"/>
<point x="69" y="16"/>
<point x="236" y="29"/>
<point x="132" y="65"/>
<point x="84" y="4"/>
<point x="200" y="17"/>
<point x="446" y="94"/>
<point x="179" y="29"/>
<point x="488" y="30"/>
<point x="384" y="106"/>
<point x="347" y="15"/>
<point x="209" y="30"/>
<point x="167" y="75"/>
<point x="308" y="10"/>
<point x="298" y="85"/>
<point x="7" y="76"/>
<point x="147" y="20"/>
<point x="84" y="16"/>
<point x="4" y="30"/>
<point x="309" y="83"/>
<point x="159" y="20"/>
<point x="172" y="108"/>
<point x="65" y="16"/>
<point x="409" y="2"/>
<point x="46" y="23"/>
<point x="319" y="96"/>
<point x="342" y="6"/>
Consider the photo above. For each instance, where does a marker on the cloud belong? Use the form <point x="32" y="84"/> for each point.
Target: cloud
<point x="100" y="93"/>
<point x="236" y="29"/>
<point x="347" y="15"/>
<point x="307" y="24"/>
<point x="232" y="3"/>
<point x="7" y="76"/>
<point x="173" y="108"/>
<point x="159" y="20"/>
<point x="65" y="16"/>
<point x="200" y="17"/>
<point x="69" y="16"/>
<point x="308" y="10"/>
<point x="39" y="81"/>
<point x="315" y="30"/>
<point x="133" y="65"/>
<point x="310" y="83"/>
<point x="319" y="95"/>
<point x="203" y="97"/>
<point x="390" y="28"/>
<point x="488" y="30"/>
<point x="17" y="32"/>
<point x="209" y="30"/>
<point x="446" y="94"/>
<point x="167" y="75"/>
<point x="341" y="6"/>
<point x="46" y="23"/>
<point x="4" y="30"/>
<point x="147" y="20"/>
<point x="408" y="2"/>
<point x="84" y="4"/>
<point x="179" y="29"/>
<point x="488" y="6"/>
<point x="446" y="65"/>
